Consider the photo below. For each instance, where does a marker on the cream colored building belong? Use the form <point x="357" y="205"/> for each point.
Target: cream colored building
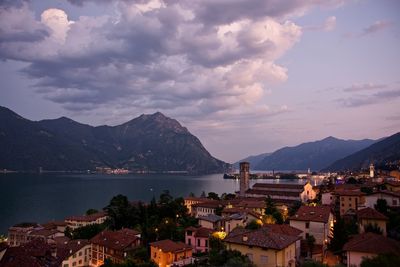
<point x="166" y="253"/>
<point x="392" y="198"/>
<point x="346" y="200"/>
<point x="368" y="245"/>
<point x="369" y="216"/>
<point x="74" y="222"/>
<point x="77" y="253"/>
<point x="265" y="247"/>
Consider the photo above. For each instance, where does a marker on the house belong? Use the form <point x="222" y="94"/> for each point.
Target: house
<point x="348" y="199"/>
<point x="264" y="246"/>
<point x="18" y="234"/>
<point x="368" y="216"/>
<point x="113" y="245"/>
<point x="316" y="221"/>
<point x="205" y="208"/>
<point x="368" y="245"/>
<point x="74" y="253"/>
<point x="166" y="253"/>
<point x="198" y="238"/>
<point x="31" y="254"/>
<point x="211" y="221"/>
<point x="74" y="222"/>
<point x="393" y="186"/>
<point x="235" y="217"/>
<point x="327" y="198"/>
<point x="392" y="198"/>
<point x="283" y="191"/>
<point x="58" y="225"/>
<point x="46" y="235"/>
<point x="189" y="201"/>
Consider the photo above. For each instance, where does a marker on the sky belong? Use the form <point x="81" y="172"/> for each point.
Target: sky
<point x="245" y="76"/>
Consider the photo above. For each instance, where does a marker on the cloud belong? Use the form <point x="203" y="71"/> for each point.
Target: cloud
<point x="327" y="26"/>
<point x="364" y="87"/>
<point x="377" y="26"/>
<point x="363" y="100"/>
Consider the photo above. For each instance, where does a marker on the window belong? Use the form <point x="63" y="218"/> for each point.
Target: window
<point x="250" y="256"/>
<point x="394" y="202"/>
<point x="189" y="242"/>
<point x="66" y="265"/>
<point x="206" y="243"/>
<point x="80" y="253"/>
<point x="307" y="235"/>
<point x="263" y="259"/>
<point x="74" y="263"/>
<point x="74" y="256"/>
<point x="307" y="225"/>
<point x="198" y="242"/>
<point x="350" y="205"/>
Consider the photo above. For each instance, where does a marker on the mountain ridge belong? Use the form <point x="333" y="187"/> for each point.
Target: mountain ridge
<point x="150" y="142"/>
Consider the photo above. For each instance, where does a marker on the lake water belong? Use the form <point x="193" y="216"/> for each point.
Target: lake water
<point x="45" y="197"/>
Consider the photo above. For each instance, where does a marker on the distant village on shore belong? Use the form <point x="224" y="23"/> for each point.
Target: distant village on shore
<point x="349" y="219"/>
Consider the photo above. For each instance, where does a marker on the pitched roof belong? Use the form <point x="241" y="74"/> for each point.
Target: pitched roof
<point x="372" y="243"/>
<point x="369" y="213"/>
<point x="283" y="229"/>
<point x="210" y="218"/>
<point x="208" y="204"/>
<point x="200" y="231"/>
<point x="343" y="192"/>
<point x="44" y="232"/>
<point x="284" y="186"/>
<point x="311" y="213"/>
<point x="170" y="246"/>
<point x="272" y="193"/>
<point x="118" y="240"/>
<point x="67" y="249"/>
<point x="263" y="237"/>
<point x="87" y="218"/>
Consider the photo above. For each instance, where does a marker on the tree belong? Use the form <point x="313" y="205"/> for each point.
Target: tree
<point x="381" y="206"/>
<point x="213" y="195"/>
<point x="295" y="207"/>
<point x="121" y="213"/>
<point x="203" y="194"/>
<point x="88" y="231"/>
<point x="373" y="228"/>
<point x="269" y="206"/>
<point x="278" y="217"/>
<point x="386" y="260"/>
<point x="340" y="236"/>
<point x="253" y="225"/>
<point x="91" y="211"/>
<point x="310" y="240"/>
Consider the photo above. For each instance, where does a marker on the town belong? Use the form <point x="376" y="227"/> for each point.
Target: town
<point x="348" y="220"/>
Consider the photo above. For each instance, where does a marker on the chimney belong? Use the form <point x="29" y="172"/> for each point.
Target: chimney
<point x="245" y="238"/>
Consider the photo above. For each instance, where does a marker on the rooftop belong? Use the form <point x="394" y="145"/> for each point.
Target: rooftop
<point x="264" y="237"/>
<point x="118" y="240"/>
<point x="274" y="186"/>
<point x="370" y="213"/>
<point x="200" y="231"/>
<point x="345" y="192"/>
<point x="210" y="218"/>
<point x="372" y="243"/>
<point x="311" y="213"/>
<point x="86" y="218"/>
<point x="170" y="246"/>
<point x="272" y="193"/>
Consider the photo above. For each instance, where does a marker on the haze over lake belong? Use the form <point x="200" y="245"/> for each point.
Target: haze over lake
<point x="45" y="197"/>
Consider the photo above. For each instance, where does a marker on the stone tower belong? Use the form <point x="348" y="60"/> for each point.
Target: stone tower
<point x="371" y="171"/>
<point x="244" y="177"/>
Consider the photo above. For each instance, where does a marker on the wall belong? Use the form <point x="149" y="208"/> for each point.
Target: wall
<point x="80" y="258"/>
<point x="355" y="258"/>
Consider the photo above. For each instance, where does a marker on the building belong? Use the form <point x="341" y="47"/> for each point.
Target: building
<point x="264" y="246"/>
<point x="189" y="201"/>
<point x="113" y="245"/>
<point x="46" y="235"/>
<point x="317" y="221"/>
<point x="244" y="178"/>
<point x="74" y="253"/>
<point x="74" y="222"/>
<point x="294" y="192"/>
<point x="371" y="171"/>
<point x="392" y="198"/>
<point x="368" y="245"/>
<point x="393" y="186"/>
<point x="211" y="221"/>
<point x="346" y="200"/>
<point x="370" y="217"/>
<point x="58" y="225"/>
<point x="18" y="234"/>
<point x="3" y="248"/>
<point x="205" y="208"/>
<point x="166" y="253"/>
<point x="198" y="238"/>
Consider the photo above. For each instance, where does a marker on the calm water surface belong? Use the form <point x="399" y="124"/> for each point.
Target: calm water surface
<point x="41" y="198"/>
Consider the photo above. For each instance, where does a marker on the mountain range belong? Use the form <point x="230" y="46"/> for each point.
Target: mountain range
<point x="384" y="154"/>
<point x="147" y="143"/>
<point x="314" y="155"/>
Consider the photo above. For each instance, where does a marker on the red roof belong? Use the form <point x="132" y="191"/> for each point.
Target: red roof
<point x="283" y="229"/>
<point x="200" y="231"/>
<point x="372" y="243"/>
<point x="87" y="218"/>
<point x="263" y="237"/>
<point x="170" y="246"/>
<point x="369" y="213"/>
<point x="313" y="214"/>
<point x="341" y="192"/>
<point x="118" y="240"/>
<point x="67" y="249"/>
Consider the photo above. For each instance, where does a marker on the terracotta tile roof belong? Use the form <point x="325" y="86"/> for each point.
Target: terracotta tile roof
<point x="263" y="237"/>
<point x="208" y="204"/>
<point x="66" y="250"/>
<point x="118" y="240"/>
<point x="44" y="232"/>
<point x="283" y="186"/>
<point x="86" y="218"/>
<point x="342" y="192"/>
<point x="170" y="246"/>
<point x="61" y="239"/>
<point x="311" y="213"/>
<point x="283" y="229"/>
<point x="372" y="243"/>
<point x="251" y="204"/>
<point x="272" y="193"/>
<point x="210" y="218"/>
<point x="33" y="254"/>
<point x="369" y="213"/>
<point x="54" y="224"/>
<point x="200" y="231"/>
